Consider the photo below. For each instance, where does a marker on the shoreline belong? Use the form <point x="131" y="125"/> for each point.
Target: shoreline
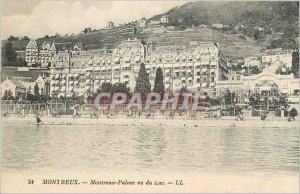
<point x="253" y="122"/>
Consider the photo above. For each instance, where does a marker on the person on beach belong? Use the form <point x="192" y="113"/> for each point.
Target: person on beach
<point x="38" y="120"/>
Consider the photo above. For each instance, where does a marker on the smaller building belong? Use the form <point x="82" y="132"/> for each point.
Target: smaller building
<point x="219" y="26"/>
<point x="110" y="24"/>
<point x="164" y="19"/>
<point x="239" y="27"/>
<point x="261" y="29"/>
<point x="13" y="87"/>
<point x="32" y="53"/>
<point x="46" y="54"/>
<point x="252" y="62"/>
<point x="278" y="57"/>
<point x="142" y="22"/>
<point x="43" y="84"/>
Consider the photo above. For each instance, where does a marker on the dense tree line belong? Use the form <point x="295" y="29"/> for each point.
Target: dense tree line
<point x="9" y="56"/>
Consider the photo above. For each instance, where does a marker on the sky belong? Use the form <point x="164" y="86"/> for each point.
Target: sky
<point x="36" y="19"/>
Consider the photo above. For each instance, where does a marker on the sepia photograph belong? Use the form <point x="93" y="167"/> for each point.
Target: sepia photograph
<point x="159" y="96"/>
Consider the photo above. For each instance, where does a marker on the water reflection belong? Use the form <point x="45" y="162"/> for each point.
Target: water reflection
<point x="168" y="149"/>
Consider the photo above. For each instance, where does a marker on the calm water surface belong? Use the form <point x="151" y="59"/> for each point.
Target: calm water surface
<point x="161" y="149"/>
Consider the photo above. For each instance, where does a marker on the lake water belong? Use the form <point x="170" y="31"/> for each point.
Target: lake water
<point x="160" y="149"/>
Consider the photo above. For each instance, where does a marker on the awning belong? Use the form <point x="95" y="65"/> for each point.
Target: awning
<point x="202" y="62"/>
<point x="63" y="88"/>
<point x="190" y="57"/>
<point x="176" y="70"/>
<point x="63" y="75"/>
<point x="212" y="70"/>
<point x="97" y="69"/>
<point x="182" y="78"/>
<point x="189" y="71"/>
<point x="198" y="57"/>
<point x="75" y="82"/>
<point x="204" y="70"/>
<point x="203" y="85"/>
<point x="90" y="68"/>
<point x="98" y="61"/>
<point x="126" y="65"/>
<point x="56" y="76"/>
<point x="87" y="81"/>
<point x="90" y="62"/>
<point x="184" y="58"/>
<point x="167" y="70"/>
<point x="70" y="75"/>
<point x="168" y="65"/>
<point x="212" y="84"/>
<point x="63" y="81"/>
<point x="88" y="74"/>
<point x="75" y="75"/>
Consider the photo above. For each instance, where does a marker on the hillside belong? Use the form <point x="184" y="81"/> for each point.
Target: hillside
<point x="274" y="17"/>
<point x="110" y="38"/>
<point x="279" y="20"/>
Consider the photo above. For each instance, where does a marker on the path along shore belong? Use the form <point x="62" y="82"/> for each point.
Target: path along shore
<point x="121" y="120"/>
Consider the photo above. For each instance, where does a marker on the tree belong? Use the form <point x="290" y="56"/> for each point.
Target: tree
<point x="159" y="82"/>
<point x="12" y="38"/>
<point x="183" y="90"/>
<point x="295" y="64"/>
<point x="7" y="95"/>
<point x="36" y="90"/>
<point x="143" y="85"/>
<point x="121" y="88"/>
<point x="228" y="97"/>
<point x="106" y="87"/>
<point x="21" y="62"/>
<point x="8" y="55"/>
<point x="26" y="38"/>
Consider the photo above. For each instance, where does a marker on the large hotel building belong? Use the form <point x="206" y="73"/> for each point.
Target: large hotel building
<point x="198" y="67"/>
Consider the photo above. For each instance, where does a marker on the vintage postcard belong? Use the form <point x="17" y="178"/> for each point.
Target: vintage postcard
<point x="149" y="96"/>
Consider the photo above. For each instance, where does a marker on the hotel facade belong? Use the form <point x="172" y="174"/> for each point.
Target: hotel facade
<point x="82" y="72"/>
<point x="201" y="68"/>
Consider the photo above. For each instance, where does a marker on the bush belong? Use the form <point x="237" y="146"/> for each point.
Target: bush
<point x="242" y="37"/>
